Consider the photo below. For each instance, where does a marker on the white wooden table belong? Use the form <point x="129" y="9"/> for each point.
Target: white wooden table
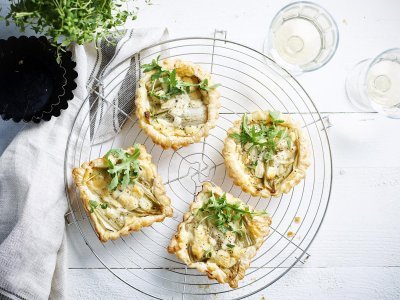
<point x="356" y="254"/>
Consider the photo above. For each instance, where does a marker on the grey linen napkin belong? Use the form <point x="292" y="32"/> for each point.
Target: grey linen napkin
<point x="32" y="194"/>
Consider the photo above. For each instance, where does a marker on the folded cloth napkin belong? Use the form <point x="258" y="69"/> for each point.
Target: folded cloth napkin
<point x="32" y="192"/>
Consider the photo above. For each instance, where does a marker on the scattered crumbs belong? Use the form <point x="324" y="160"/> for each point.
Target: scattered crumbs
<point x="344" y="21"/>
<point x="262" y="297"/>
<point x="290" y="234"/>
<point x="204" y="286"/>
<point x="21" y="62"/>
<point x="297" y="220"/>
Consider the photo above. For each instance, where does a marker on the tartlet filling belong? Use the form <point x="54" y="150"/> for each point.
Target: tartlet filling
<point x="120" y="190"/>
<point x="220" y="231"/>
<point x="220" y="235"/>
<point x="268" y="150"/>
<point x="177" y="100"/>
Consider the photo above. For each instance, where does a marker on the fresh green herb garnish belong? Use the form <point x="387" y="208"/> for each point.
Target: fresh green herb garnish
<point x="171" y="85"/>
<point x="123" y="167"/>
<point x="207" y="254"/>
<point x="93" y="205"/>
<point x="265" y="137"/>
<point x="224" y="215"/>
<point x="230" y="246"/>
<point x="70" y="21"/>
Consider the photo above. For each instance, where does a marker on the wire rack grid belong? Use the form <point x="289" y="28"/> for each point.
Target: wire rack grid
<point x="249" y="81"/>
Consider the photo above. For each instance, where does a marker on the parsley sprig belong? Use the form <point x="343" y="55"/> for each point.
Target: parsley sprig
<point x="226" y="216"/>
<point x="172" y="86"/>
<point x="123" y="167"/>
<point x="264" y="136"/>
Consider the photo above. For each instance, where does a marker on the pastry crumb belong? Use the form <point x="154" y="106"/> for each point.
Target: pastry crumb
<point x="290" y="234"/>
<point x="204" y="286"/>
<point x="297" y="219"/>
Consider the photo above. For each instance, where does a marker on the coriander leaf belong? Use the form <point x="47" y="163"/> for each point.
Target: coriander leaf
<point x="230" y="246"/>
<point x="104" y="205"/>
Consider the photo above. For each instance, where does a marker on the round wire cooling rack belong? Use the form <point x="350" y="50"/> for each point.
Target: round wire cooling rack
<point x="249" y="81"/>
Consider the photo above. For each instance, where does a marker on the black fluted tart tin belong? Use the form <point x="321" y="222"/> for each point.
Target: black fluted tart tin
<point x="33" y="85"/>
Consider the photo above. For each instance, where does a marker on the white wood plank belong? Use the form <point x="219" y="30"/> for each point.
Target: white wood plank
<point x="300" y="283"/>
<point x="364" y="141"/>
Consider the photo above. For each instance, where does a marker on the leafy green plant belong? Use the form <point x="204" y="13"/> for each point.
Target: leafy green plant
<point x="172" y="85"/>
<point x="69" y="21"/>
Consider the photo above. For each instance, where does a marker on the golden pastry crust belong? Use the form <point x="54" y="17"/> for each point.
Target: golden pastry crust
<point x="226" y="265"/>
<point x="176" y="137"/>
<point x="238" y="170"/>
<point x="92" y="180"/>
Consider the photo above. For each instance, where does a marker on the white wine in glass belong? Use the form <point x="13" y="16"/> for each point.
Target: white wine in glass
<point x="373" y="84"/>
<point x="303" y="37"/>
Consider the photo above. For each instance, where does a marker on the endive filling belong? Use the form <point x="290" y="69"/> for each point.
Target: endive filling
<point x="219" y="231"/>
<point x="269" y="150"/>
<point x="120" y="190"/>
<point x="176" y="103"/>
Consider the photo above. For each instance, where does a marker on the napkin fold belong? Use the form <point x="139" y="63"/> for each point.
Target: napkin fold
<point x="32" y="192"/>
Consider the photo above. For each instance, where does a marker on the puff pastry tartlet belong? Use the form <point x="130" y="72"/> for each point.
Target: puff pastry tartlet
<point x="122" y="192"/>
<point x="220" y="235"/>
<point x="176" y="103"/>
<point x="266" y="153"/>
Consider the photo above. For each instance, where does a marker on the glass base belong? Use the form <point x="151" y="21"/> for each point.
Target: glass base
<point x="355" y="86"/>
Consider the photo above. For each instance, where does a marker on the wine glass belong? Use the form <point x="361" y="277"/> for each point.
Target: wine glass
<point x="303" y="37"/>
<point x="373" y="84"/>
